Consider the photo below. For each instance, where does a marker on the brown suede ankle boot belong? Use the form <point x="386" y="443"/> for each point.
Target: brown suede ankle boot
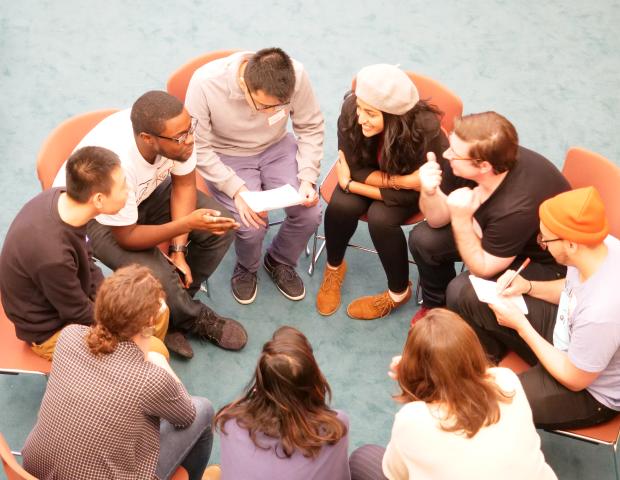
<point x="375" y="306"/>
<point x="328" y="297"/>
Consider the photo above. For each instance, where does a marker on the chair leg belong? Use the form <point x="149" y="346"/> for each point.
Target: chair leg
<point x="315" y="255"/>
<point x="615" y="454"/>
<point x="204" y="287"/>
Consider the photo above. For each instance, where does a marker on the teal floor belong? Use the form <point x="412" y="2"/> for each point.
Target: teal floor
<point x="551" y="67"/>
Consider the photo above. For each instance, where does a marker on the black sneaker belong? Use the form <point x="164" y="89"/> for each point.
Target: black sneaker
<point x="223" y="332"/>
<point x="177" y="343"/>
<point x="285" y="278"/>
<point x="243" y="284"/>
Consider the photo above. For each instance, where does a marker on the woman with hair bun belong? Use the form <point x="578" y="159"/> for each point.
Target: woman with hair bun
<point x="461" y="418"/>
<point x="108" y="390"/>
<point x="282" y="428"/>
<point x="385" y="132"/>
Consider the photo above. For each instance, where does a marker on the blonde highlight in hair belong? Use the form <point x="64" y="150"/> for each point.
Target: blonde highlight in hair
<point x="443" y="363"/>
<point x="126" y="302"/>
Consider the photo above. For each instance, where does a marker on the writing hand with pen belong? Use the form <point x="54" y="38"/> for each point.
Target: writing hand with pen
<point x="509" y="284"/>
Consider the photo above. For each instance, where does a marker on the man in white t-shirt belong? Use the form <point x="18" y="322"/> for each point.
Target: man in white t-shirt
<point x="572" y="330"/>
<point x="155" y="143"/>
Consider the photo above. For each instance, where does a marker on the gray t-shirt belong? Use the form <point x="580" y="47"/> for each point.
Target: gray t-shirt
<point x="594" y="325"/>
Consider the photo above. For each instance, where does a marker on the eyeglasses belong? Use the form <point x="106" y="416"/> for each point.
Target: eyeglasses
<point x="181" y="138"/>
<point x="453" y="156"/>
<point x="262" y="107"/>
<point x="542" y="243"/>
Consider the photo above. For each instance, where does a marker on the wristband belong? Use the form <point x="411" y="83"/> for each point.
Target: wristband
<point x="346" y="188"/>
<point x="530" y="289"/>
<point x="177" y="248"/>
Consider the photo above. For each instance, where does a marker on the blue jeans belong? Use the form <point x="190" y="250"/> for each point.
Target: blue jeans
<point x="189" y="447"/>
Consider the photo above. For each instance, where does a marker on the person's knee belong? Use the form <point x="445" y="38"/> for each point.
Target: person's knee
<point x="457" y="288"/>
<point x="204" y="411"/>
<point x="251" y="234"/>
<point x="421" y="241"/>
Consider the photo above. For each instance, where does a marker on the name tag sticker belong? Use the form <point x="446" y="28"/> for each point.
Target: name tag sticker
<point x="276" y="117"/>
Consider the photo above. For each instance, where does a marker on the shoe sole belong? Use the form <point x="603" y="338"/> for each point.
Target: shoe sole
<point x="295" y="299"/>
<point x="245" y="301"/>
<point x="327" y="314"/>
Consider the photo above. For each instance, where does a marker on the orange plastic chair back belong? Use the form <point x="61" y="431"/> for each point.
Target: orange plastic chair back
<point x="13" y="470"/>
<point x="583" y="168"/>
<point x="437" y="94"/>
<point x="179" y="80"/>
<point x="17" y="356"/>
<point x="62" y="141"/>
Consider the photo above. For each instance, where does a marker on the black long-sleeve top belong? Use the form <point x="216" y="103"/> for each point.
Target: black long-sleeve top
<point x="48" y="278"/>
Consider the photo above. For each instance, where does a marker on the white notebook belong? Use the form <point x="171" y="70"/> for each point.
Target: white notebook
<point x="265" y="200"/>
<point x="487" y="293"/>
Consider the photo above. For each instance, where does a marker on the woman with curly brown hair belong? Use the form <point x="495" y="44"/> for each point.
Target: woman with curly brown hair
<point x="461" y="418"/>
<point x="113" y="407"/>
<point x="282" y="427"/>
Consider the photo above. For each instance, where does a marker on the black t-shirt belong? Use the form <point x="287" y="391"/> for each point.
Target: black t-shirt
<point x="48" y="278"/>
<point x="509" y="217"/>
<point x="426" y="122"/>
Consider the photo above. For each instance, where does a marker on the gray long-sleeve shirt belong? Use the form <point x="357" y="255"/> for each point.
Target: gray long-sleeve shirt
<point x="228" y="125"/>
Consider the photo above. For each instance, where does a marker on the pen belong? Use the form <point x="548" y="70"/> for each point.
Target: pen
<point x="525" y="263"/>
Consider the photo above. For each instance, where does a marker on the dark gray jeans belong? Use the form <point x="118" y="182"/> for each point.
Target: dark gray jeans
<point x="205" y="252"/>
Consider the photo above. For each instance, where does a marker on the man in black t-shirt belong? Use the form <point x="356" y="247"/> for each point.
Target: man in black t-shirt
<point x="481" y="207"/>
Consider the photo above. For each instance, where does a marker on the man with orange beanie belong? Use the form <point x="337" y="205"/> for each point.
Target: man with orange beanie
<point x="572" y="331"/>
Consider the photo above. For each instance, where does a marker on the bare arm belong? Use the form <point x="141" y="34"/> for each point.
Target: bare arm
<point x="555" y="361"/>
<point x="549" y="291"/>
<point x="433" y="202"/>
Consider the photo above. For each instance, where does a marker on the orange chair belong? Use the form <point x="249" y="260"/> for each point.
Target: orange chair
<point x="429" y="89"/>
<point x="16" y="356"/>
<point x="179" y="80"/>
<point x="583" y="168"/>
<point x="62" y="141"/>
<point x="13" y="470"/>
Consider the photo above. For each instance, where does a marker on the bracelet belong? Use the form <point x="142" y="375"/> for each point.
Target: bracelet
<point x="530" y="289"/>
<point x="346" y="188"/>
<point x="177" y="248"/>
<point x="392" y="183"/>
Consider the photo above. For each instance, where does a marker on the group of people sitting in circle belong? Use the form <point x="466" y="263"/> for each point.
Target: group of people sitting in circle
<point x="113" y="407"/>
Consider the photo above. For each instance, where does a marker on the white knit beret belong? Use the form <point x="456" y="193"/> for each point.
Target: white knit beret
<point x="386" y="88"/>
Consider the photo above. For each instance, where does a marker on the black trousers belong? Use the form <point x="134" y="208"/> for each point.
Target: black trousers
<point x="385" y="227"/>
<point x="553" y="405"/>
<point x="205" y="252"/>
<point x="434" y="251"/>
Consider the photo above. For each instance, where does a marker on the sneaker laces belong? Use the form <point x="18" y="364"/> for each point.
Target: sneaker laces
<point x="384" y="303"/>
<point x="242" y="273"/>
<point x="283" y="273"/>
<point x="213" y="324"/>
<point x="332" y="279"/>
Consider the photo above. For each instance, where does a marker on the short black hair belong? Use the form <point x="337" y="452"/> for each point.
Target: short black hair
<point x="152" y="110"/>
<point x="89" y="171"/>
<point x="271" y="70"/>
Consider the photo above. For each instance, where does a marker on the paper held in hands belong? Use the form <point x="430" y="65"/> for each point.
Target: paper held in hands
<point x="487" y="293"/>
<point x="284" y="196"/>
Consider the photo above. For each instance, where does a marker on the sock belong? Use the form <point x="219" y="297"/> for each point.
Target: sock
<point x="333" y="268"/>
<point x="398" y="297"/>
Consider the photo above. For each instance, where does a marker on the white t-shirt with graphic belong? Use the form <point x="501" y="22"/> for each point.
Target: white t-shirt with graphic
<point x="115" y="133"/>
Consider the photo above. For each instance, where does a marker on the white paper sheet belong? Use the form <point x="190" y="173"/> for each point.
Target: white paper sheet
<point x="284" y="196"/>
<point x="487" y="293"/>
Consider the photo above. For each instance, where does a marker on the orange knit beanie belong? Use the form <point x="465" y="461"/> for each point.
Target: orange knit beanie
<point x="577" y="215"/>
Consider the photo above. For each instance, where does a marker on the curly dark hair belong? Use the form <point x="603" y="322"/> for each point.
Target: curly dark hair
<point x="405" y="137"/>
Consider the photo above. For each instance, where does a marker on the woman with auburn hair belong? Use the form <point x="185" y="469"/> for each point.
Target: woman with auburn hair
<point x="385" y="132"/>
<point x="461" y="419"/>
<point x="282" y="427"/>
<point x="109" y="389"/>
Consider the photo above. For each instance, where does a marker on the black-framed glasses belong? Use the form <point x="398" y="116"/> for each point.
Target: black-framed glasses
<point x="262" y="107"/>
<point x="542" y="243"/>
<point x="181" y="138"/>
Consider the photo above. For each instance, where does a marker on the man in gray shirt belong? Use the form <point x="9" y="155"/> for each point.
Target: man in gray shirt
<point x="242" y="103"/>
